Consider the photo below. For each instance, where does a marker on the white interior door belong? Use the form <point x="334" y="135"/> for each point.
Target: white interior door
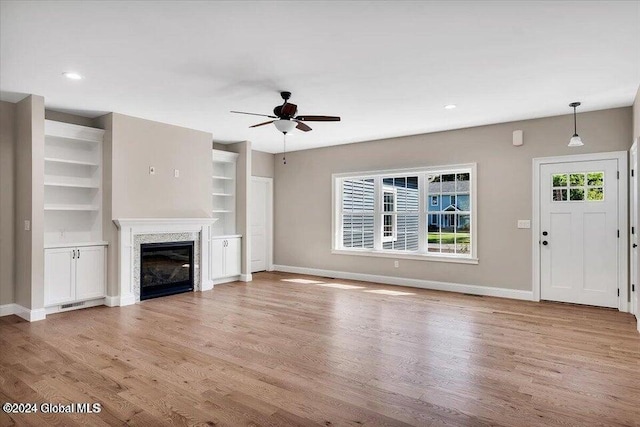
<point x="633" y="191"/>
<point x="579" y="234"/>
<point x="260" y="223"/>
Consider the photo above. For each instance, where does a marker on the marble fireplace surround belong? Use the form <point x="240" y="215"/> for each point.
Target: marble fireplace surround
<point x="132" y="232"/>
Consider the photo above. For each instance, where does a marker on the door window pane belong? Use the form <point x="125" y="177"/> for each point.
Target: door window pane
<point x="595" y="194"/>
<point x="576" y="194"/>
<point x="559" y="195"/>
<point x="576" y="179"/>
<point x="560" y="180"/>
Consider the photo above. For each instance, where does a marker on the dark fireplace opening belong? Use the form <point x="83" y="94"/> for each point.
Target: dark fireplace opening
<point x="165" y="269"/>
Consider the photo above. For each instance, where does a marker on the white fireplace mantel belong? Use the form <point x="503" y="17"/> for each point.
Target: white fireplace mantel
<point x="128" y="228"/>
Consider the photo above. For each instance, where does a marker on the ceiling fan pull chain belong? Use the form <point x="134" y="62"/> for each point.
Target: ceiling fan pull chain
<point x="284" y="151"/>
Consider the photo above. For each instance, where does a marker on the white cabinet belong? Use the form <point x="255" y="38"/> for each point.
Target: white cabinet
<point x="59" y="276"/>
<point x="73" y="274"/>
<point x="225" y="256"/>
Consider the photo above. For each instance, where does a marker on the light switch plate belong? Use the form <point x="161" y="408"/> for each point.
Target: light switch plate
<point x="27" y="225"/>
<point x="524" y="223"/>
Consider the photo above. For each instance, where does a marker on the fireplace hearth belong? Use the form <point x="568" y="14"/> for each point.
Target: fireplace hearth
<point x="166" y="269"/>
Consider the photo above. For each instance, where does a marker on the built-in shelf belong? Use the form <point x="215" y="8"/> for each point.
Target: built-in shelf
<point x="70" y="162"/>
<point x="223" y="191"/>
<point x="71" y="207"/>
<point x="70" y="185"/>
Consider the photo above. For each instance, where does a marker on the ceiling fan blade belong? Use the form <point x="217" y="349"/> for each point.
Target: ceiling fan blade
<point x="289" y="110"/>
<point x="255" y="114"/>
<point x="262" y="124"/>
<point x="318" y="118"/>
<point x="302" y="126"/>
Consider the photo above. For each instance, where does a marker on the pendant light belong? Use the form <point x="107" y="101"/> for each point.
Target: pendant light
<point x="575" y="140"/>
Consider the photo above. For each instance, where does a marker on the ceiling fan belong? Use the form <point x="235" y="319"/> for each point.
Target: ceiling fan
<point x="285" y="118"/>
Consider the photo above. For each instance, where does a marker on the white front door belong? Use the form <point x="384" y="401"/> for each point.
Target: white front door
<point x="579" y="232"/>
<point x="633" y="191"/>
<point x="260" y="226"/>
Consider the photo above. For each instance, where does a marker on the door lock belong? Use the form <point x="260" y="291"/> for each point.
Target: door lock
<point x="544" y="242"/>
<point x="544" y="233"/>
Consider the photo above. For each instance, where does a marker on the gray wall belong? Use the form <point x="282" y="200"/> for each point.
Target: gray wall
<point x="262" y="164"/>
<point x="243" y="194"/>
<point x="303" y="193"/>
<point x="131" y="145"/>
<point x="7" y="201"/>
<point x="59" y="116"/>
<point x="29" y="197"/>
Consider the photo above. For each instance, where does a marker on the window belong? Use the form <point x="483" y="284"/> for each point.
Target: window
<point x="389" y="218"/>
<point x="418" y="213"/>
<point x="578" y="187"/>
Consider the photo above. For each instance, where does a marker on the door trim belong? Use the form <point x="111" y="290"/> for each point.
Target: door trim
<point x="633" y="195"/>
<point x="623" y="253"/>
<point x="269" y="182"/>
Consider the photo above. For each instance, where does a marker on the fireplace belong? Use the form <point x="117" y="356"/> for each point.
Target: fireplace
<point x="165" y="269"/>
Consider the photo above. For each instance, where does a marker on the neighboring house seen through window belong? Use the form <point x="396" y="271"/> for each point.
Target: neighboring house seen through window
<point x="412" y="213"/>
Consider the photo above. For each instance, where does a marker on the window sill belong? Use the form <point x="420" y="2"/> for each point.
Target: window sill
<point x="405" y="255"/>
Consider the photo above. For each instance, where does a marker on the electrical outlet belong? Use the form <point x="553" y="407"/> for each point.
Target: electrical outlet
<point x="396" y="264"/>
<point x="152" y="170"/>
<point x="27" y="225"/>
<point x="176" y="173"/>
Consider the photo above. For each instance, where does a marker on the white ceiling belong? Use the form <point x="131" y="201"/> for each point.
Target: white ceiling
<point x="387" y="68"/>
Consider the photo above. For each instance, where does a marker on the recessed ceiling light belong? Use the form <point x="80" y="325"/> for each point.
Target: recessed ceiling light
<point x="449" y="106"/>
<point x="72" y="75"/>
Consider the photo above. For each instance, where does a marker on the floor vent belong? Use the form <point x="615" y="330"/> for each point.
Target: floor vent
<point x="75" y="304"/>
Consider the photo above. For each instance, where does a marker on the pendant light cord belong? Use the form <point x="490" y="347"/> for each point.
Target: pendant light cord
<point x="575" y="126"/>
<point x="284" y="151"/>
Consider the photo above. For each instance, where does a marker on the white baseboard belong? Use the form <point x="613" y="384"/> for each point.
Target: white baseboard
<point x="414" y="283"/>
<point x="225" y="280"/>
<point x="246" y="277"/>
<point x="111" y="301"/>
<point x="30" y="315"/>
<point x="8" y="309"/>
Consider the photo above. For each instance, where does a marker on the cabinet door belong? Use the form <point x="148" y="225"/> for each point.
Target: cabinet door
<point x="232" y="257"/>
<point x="90" y="270"/>
<point x="59" y="276"/>
<point x="217" y="258"/>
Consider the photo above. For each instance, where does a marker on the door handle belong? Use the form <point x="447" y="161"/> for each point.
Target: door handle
<point x="635" y="245"/>
<point x="544" y="233"/>
<point x="78" y="253"/>
<point x="544" y="242"/>
<point x="74" y="254"/>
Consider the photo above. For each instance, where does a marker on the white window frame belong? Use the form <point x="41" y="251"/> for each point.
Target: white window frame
<point x="392" y="212"/>
<point x="421" y="254"/>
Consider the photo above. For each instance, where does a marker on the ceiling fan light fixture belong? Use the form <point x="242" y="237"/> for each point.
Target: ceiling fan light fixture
<point x="285" y="126"/>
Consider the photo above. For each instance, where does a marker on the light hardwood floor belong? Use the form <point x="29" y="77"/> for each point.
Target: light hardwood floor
<point x="273" y="352"/>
